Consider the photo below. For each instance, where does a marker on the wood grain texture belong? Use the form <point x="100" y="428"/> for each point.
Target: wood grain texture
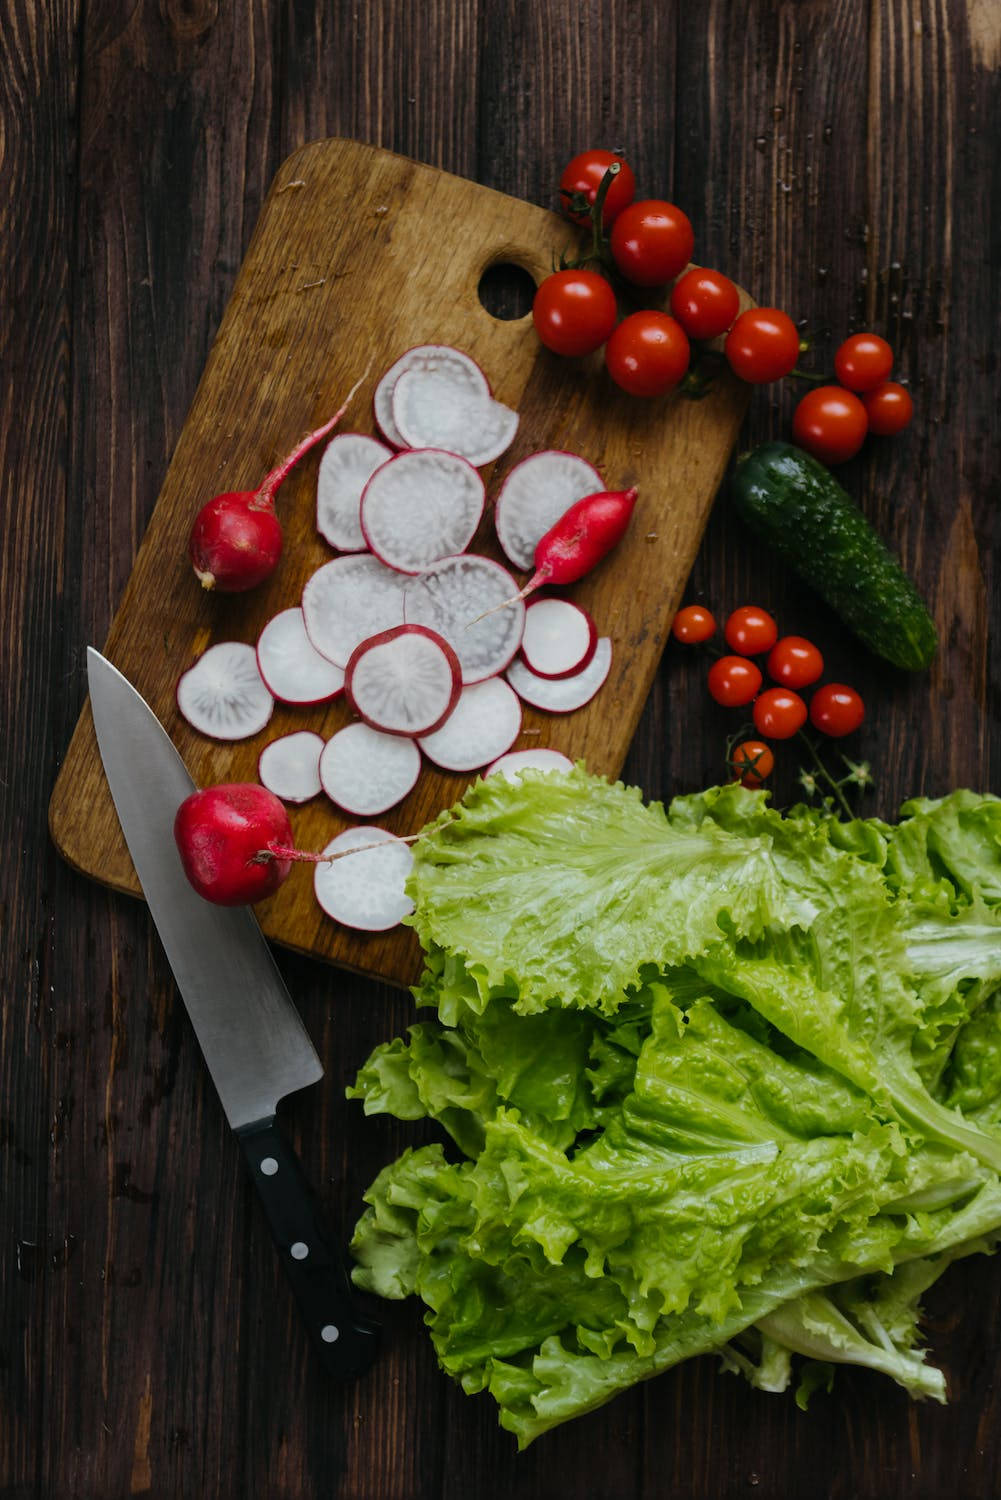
<point x="147" y="1342"/>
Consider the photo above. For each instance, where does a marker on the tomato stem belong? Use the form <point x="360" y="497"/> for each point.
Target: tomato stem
<point x="825" y="773"/>
<point x="599" y="244"/>
<point x="797" y="374"/>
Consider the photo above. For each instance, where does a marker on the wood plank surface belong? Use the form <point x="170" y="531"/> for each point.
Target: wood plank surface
<point x="837" y="157"/>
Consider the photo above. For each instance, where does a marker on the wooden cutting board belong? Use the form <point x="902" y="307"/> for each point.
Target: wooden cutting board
<point x="358" y="255"/>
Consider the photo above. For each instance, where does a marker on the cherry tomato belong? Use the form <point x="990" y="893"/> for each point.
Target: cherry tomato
<point x="733" y="681"/>
<point x="693" y="625"/>
<point x="648" y="353"/>
<point x="889" y="408"/>
<point x="795" y="662"/>
<point x="762" y="345"/>
<point x="651" y="242"/>
<point x="836" y="709"/>
<point x="753" y="761"/>
<point x="574" y="312"/>
<point x="863" y="361"/>
<point x="583" y="175"/>
<point x="705" y="303"/>
<point x="830" y="423"/>
<point x="778" y="713"/>
<point x="750" y="630"/>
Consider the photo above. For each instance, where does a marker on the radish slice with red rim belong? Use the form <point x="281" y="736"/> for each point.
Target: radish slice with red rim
<point x="535" y="494"/>
<point x="403" y="681"/>
<point x="484" y="723"/>
<point x="365" y="890"/>
<point x="516" y="761"/>
<point x="422" y="505"/>
<point x="450" y="595"/>
<point x="290" y="664"/>
<point x="560" y="638"/>
<point x="440" y="358"/>
<point x="562" y="695"/>
<point x="433" y="410"/>
<point x="348" y="600"/>
<point x="348" y="463"/>
<point x="224" y="695"/>
<point x="366" y="772"/>
<point x="290" y="766"/>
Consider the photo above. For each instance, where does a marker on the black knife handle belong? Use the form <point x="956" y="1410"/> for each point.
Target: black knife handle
<point x="346" y="1341"/>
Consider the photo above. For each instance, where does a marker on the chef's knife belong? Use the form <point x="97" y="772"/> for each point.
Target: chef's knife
<point x="253" y="1041"/>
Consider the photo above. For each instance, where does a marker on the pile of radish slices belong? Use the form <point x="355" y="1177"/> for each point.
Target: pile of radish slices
<point x="431" y="645"/>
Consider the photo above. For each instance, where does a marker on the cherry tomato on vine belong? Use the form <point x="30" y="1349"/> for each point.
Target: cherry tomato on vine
<point x="733" y="681"/>
<point x="750" y="630"/>
<point x="753" y="761"/>
<point x="794" y="661"/>
<point x="583" y="176"/>
<point x="762" y="345"/>
<point x="574" y="312"/>
<point x="651" y="242"/>
<point x="693" y="625"/>
<point x="836" y="709"/>
<point x="863" y="361"/>
<point x="830" y="423"/>
<point x="705" y="303"/>
<point x="648" y="353"/>
<point x="778" y="713"/>
<point x="889" y="408"/>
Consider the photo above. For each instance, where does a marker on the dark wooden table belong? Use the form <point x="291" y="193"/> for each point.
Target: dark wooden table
<point x="839" y="158"/>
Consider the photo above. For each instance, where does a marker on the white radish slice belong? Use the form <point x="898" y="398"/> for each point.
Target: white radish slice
<point x="365" y="890"/>
<point x="437" y="357"/>
<point x="290" y="766"/>
<point x="422" y="505"/>
<point x="366" y="772"/>
<point x="348" y="600"/>
<point x="564" y="694"/>
<point x="403" y="681"/>
<point x="348" y="463"/>
<point x="432" y="410"/>
<point x="516" y="761"/>
<point x="484" y="723"/>
<point x="224" y="695"/>
<point x="290" y="664"/>
<point x="535" y="494"/>
<point x="560" y="638"/>
<point x="450" y="595"/>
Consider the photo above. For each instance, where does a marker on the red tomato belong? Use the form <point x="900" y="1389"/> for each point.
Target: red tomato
<point x="830" y="423"/>
<point x="574" y="312"/>
<point x="753" y="761"/>
<point x="648" y="353"/>
<point x="705" y="303"/>
<point x="778" y="713"/>
<point x="750" y="630"/>
<point x="795" y="662"/>
<point x="651" y="242"/>
<point x="762" y="345"/>
<point x="863" y="361"/>
<point x="889" y="408"/>
<point x="693" y="625"/>
<point x="836" y="709"/>
<point x="733" y="681"/>
<point x="583" y="176"/>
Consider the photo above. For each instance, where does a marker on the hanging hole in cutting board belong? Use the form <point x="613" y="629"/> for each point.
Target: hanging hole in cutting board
<point x="506" y="291"/>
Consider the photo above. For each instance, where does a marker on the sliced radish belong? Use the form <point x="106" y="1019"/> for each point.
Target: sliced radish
<point x="535" y="494"/>
<point x="290" y="664"/>
<point x="348" y="463"/>
<point x="366" y="772"/>
<point x="421" y="506"/>
<point x="348" y="600"/>
<point x="431" y="409"/>
<point x="516" y="761"/>
<point x="560" y="638"/>
<point x="224" y="695"/>
<point x="365" y="890"/>
<point x="290" y="766"/>
<point x="564" y="694"/>
<point x="484" y="723"/>
<point x="451" y="594"/>
<point x="403" y="681"/>
<point x="435" y="357"/>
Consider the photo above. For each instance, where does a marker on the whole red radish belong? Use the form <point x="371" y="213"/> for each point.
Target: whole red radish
<point x="235" y="842"/>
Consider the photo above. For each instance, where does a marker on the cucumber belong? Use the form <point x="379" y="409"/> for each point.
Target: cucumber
<point x="797" y="505"/>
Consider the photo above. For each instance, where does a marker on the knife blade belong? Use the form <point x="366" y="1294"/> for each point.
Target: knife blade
<point x="252" y="1038"/>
